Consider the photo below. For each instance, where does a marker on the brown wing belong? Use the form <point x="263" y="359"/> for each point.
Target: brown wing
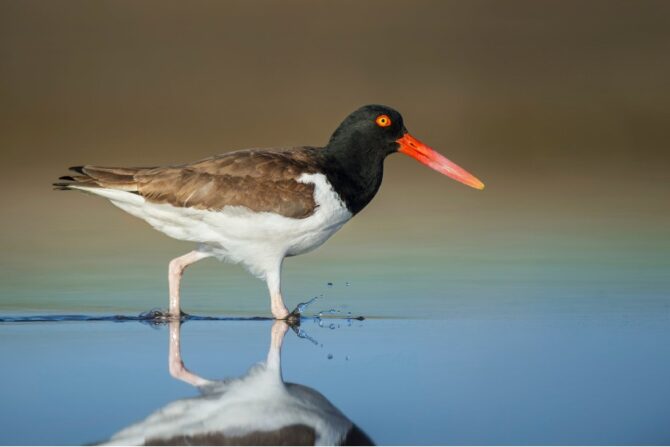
<point x="258" y="179"/>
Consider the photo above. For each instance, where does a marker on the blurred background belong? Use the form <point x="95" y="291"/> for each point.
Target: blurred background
<point x="561" y="107"/>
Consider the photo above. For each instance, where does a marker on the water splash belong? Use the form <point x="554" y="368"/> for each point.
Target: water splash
<point x="300" y="308"/>
<point x="302" y="334"/>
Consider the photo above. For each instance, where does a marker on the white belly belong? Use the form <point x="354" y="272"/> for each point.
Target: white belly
<point x="237" y="234"/>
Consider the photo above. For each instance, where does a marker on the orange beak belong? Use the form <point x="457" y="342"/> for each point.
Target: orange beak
<point x="431" y="158"/>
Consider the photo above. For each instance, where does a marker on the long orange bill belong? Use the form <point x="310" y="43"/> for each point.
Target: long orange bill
<point x="431" y="158"/>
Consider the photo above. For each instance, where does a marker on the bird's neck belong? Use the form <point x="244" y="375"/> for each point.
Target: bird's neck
<point x="355" y="170"/>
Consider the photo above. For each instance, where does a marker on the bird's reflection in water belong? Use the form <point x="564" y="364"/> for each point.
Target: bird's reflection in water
<point x="258" y="408"/>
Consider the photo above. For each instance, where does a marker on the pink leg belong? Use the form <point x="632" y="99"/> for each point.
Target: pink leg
<point x="279" y="310"/>
<point x="273" y="362"/>
<point x="176" y="365"/>
<point x="175" y="272"/>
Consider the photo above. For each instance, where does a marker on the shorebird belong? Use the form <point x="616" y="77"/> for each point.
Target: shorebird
<point x="258" y="408"/>
<point x="256" y="207"/>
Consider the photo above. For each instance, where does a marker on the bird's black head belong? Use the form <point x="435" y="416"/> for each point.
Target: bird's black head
<point x="354" y="158"/>
<point x="373" y="129"/>
<point x="372" y="132"/>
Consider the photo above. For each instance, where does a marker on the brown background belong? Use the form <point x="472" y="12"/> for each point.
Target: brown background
<point x="561" y="107"/>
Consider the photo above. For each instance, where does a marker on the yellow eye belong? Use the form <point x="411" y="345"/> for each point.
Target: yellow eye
<point x="383" y="121"/>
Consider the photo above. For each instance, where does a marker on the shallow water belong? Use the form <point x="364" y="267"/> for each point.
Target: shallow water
<point x="593" y="374"/>
<point x="520" y="345"/>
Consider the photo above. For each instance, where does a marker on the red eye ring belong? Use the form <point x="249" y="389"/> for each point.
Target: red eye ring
<point x="383" y="121"/>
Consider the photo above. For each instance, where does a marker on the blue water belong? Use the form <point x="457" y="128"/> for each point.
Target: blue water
<point x="591" y="374"/>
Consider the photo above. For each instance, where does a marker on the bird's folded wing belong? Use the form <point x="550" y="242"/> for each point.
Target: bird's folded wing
<point x="184" y="187"/>
<point x="260" y="180"/>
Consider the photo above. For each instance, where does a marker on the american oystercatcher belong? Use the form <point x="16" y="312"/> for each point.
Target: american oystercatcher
<point x="258" y="206"/>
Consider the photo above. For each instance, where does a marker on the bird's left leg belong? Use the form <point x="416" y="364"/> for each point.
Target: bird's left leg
<point x="175" y="272"/>
<point x="273" y="279"/>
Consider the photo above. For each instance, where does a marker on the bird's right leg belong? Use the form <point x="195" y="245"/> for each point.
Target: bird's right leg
<point x="175" y="272"/>
<point x="273" y="278"/>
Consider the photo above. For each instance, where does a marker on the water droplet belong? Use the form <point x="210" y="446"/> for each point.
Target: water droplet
<point x="330" y="284"/>
<point x="347" y="284"/>
<point x="346" y="358"/>
<point x="330" y="356"/>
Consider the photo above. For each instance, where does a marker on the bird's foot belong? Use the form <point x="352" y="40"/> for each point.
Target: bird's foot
<point x="293" y="319"/>
<point x="159" y="316"/>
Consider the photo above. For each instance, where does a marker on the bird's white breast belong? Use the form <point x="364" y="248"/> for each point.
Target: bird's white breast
<point x="258" y="240"/>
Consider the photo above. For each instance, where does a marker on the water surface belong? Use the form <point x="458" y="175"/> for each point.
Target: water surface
<point x="594" y="374"/>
